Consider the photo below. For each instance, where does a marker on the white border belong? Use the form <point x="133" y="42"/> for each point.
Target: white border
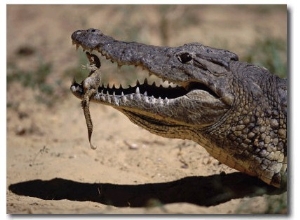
<point x="209" y="2"/>
<point x="294" y="75"/>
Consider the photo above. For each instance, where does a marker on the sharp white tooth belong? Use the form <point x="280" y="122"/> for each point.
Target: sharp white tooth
<point x="137" y="90"/>
<point x="115" y="100"/>
<point x="145" y="93"/>
<point x="102" y="92"/>
<point x="114" y="93"/>
<point x="131" y="96"/>
<point x="124" y="99"/>
<point x="146" y="98"/>
<point x="152" y="99"/>
<point x="122" y="93"/>
<point x="103" y="98"/>
<point x="108" y="97"/>
<point x="166" y="100"/>
<point x="160" y="101"/>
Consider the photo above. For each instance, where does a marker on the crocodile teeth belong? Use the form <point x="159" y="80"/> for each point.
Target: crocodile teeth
<point x="137" y="90"/>
<point x="160" y="101"/>
<point x="152" y="99"/>
<point x="146" y="99"/>
<point x="115" y="100"/>
<point x="123" y="97"/>
<point x="108" y="97"/>
<point x="166" y="100"/>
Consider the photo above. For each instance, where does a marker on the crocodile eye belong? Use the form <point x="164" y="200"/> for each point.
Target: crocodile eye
<point x="184" y="58"/>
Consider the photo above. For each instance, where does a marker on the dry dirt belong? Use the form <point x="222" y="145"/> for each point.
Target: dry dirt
<point x="50" y="167"/>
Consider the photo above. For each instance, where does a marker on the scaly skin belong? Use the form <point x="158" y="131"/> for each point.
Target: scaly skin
<point x="90" y="85"/>
<point x="235" y="110"/>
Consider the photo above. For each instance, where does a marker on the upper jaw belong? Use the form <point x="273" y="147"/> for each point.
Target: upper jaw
<point x="160" y="61"/>
<point x="152" y="101"/>
<point x="184" y="83"/>
<point x="153" y="93"/>
<point x="171" y="78"/>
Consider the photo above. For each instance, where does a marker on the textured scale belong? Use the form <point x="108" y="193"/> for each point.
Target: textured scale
<point x="90" y="85"/>
<point x="235" y="110"/>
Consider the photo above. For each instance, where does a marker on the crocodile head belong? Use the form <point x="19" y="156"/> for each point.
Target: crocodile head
<point x="236" y="110"/>
<point x="202" y="94"/>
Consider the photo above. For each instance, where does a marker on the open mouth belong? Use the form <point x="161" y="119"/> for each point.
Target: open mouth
<point x="159" y="89"/>
<point x="184" y="95"/>
<point x="153" y="91"/>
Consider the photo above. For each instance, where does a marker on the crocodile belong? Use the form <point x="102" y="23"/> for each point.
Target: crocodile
<point x="236" y="110"/>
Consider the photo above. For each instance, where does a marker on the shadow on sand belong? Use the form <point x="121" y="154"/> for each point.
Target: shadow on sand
<point x="202" y="191"/>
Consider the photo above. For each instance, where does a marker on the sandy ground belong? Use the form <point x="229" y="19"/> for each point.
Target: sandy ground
<point x="50" y="167"/>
